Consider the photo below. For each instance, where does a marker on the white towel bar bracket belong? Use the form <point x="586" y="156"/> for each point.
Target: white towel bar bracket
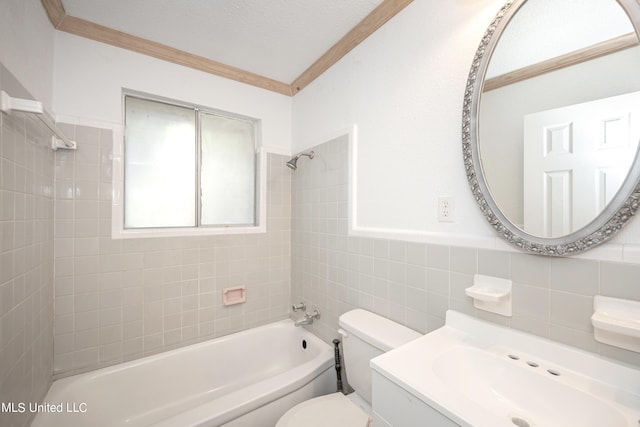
<point x="9" y="104"/>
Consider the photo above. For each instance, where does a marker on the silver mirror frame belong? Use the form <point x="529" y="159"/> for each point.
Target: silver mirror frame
<point x="615" y="215"/>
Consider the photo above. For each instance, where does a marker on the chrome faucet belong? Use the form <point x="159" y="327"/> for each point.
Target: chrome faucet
<point x="308" y="318"/>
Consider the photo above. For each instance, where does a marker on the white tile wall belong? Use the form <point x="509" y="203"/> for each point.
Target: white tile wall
<point x="415" y="283"/>
<point x="118" y="300"/>
<point x="26" y="258"/>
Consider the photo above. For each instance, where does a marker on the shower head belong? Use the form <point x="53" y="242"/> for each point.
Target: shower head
<point x="293" y="163"/>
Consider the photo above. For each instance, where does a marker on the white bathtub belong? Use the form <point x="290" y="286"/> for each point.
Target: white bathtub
<point x="245" y="379"/>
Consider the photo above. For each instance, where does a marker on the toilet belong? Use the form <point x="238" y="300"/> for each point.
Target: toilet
<point x="365" y="335"/>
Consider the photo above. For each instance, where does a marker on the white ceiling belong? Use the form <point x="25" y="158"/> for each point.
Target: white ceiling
<point x="278" y="39"/>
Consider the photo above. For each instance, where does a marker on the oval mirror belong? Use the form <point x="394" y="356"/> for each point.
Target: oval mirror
<point x="551" y="122"/>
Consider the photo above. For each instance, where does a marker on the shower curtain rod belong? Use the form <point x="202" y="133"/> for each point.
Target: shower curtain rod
<point x="9" y="104"/>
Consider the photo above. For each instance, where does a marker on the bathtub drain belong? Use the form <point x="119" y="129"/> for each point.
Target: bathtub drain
<point x="519" y="422"/>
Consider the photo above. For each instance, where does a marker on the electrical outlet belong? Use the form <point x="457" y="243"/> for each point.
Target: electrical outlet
<point x="445" y="209"/>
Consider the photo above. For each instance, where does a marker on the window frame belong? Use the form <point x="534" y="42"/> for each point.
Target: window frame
<point x="118" y="229"/>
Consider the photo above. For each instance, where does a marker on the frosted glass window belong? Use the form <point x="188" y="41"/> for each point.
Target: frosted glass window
<point x="187" y="167"/>
<point x="160" y="165"/>
<point x="227" y="170"/>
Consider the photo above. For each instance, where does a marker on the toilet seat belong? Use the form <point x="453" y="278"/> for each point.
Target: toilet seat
<point x="335" y="410"/>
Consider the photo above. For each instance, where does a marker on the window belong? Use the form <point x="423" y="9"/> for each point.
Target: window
<point x="185" y="166"/>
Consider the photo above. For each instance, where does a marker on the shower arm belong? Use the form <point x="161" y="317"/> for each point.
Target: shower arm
<point x="293" y="162"/>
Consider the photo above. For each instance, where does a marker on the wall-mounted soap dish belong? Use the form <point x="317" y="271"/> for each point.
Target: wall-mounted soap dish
<point x="235" y="295"/>
<point x="491" y="294"/>
<point x="616" y="322"/>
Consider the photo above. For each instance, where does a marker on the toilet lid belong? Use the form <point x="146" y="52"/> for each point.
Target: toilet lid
<point x="330" y="410"/>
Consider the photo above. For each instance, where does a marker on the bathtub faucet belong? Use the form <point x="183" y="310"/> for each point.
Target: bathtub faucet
<point x="308" y="318"/>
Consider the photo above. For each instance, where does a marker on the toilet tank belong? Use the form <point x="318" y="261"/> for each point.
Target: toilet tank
<point x="366" y="335"/>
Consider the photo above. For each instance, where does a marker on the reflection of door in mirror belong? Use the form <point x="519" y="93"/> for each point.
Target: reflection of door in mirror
<point x="543" y="55"/>
<point x="577" y="158"/>
<point x="502" y="112"/>
<point x="553" y="53"/>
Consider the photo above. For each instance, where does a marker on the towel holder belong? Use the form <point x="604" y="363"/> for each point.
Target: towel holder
<point x="29" y="106"/>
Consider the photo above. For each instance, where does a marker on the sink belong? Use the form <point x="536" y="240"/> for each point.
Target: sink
<point x="479" y="374"/>
<point x="521" y="392"/>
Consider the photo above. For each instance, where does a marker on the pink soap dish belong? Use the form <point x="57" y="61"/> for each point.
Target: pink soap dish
<point x="235" y="295"/>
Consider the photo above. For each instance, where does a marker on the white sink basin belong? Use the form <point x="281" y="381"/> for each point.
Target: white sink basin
<point x="515" y="391"/>
<point x="479" y="374"/>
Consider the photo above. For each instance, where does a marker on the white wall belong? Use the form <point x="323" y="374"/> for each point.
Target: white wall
<point x="403" y="88"/>
<point x="90" y="76"/>
<point x="26" y="48"/>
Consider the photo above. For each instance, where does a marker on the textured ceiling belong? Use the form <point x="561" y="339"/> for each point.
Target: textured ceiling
<point x="278" y="39"/>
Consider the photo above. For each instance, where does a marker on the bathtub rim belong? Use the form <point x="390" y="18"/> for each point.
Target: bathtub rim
<point x="251" y="397"/>
<point x="93" y="373"/>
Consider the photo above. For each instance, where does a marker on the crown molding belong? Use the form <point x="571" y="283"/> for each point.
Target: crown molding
<point x="83" y="28"/>
<point x="370" y="24"/>
<point x="579" y="56"/>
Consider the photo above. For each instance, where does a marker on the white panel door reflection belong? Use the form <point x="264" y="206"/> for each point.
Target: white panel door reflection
<point x="576" y="158"/>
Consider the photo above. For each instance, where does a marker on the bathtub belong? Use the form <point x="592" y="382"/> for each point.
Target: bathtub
<point x="249" y="378"/>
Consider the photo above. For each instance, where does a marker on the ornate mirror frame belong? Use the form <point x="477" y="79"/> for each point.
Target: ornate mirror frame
<point x="615" y="215"/>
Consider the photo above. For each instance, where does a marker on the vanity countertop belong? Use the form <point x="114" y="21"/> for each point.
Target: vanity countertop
<point x="478" y="373"/>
